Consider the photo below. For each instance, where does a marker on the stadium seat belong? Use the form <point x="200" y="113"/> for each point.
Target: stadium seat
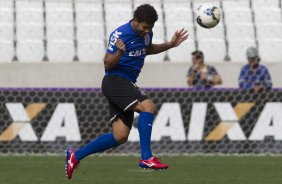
<point x="60" y="32"/>
<point x="183" y="52"/>
<point x="94" y="31"/>
<point x="270" y="50"/>
<point x="269" y="31"/>
<point x="7" y="51"/>
<point x="6" y="31"/>
<point x="270" y="14"/>
<point x="30" y="16"/>
<point x="58" y="16"/>
<point x="29" y="5"/>
<point x="60" y="51"/>
<point x="30" y="51"/>
<point x="214" y="33"/>
<point x="214" y="50"/>
<point x="172" y="27"/>
<point x="6" y="15"/>
<point x="120" y="14"/>
<point x="59" y="12"/>
<point x="88" y="13"/>
<point x="230" y="4"/>
<point x="240" y="31"/>
<point x="178" y="11"/>
<point x="265" y="3"/>
<point x="237" y="49"/>
<point x="158" y="31"/>
<point x="30" y="32"/>
<point x="91" y="51"/>
<point x="238" y="15"/>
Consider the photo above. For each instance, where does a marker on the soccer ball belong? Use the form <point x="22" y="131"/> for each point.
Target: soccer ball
<point x="208" y="16"/>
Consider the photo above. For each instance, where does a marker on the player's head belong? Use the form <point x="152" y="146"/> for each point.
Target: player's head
<point x="253" y="57"/>
<point x="197" y="57"/>
<point x="144" y="19"/>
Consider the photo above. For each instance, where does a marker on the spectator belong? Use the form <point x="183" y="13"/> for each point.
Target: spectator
<point x="201" y="75"/>
<point x="254" y="76"/>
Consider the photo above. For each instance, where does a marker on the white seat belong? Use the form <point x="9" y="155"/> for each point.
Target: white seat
<point x="59" y="16"/>
<point x="238" y="15"/>
<point x="182" y="53"/>
<point x="230" y="4"/>
<point x="30" y="16"/>
<point x="214" y="50"/>
<point x="7" y="51"/>
<point x="94" y="31"/>
<point x="6" y="31"/>
<point x="121" y="15"/>
<point x="156" y="57"/>
<point x="264" y="15"/>
<point x="241" y="31"/>
<point x="58" y="5"/>
<point x="214" y="33"/>
<point x="269" y="31"/>
<point x="237" y="49"/>
<point x="30" y="51"/>
<point x="265" y="3"/>
<point x="270" y="50"/>
<point x="178" y="11"/>
<point x="6" y="15"/>
<point x="60" y="51"/>
<point x="172" y="27"/>
<point x="60" y="32"/>
<point x="30" y="32"/>
<point x="91" y="51"/>
<point x="6" y="4"/>
<point x="158" y="31"/>
<point x="88" y="13"/>
<point x="29" y="5"/>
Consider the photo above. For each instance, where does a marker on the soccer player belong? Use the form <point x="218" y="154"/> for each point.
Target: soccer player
<point x="128" y="46"/>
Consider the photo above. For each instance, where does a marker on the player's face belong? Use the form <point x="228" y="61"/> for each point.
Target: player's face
<point x="143" y="28"/>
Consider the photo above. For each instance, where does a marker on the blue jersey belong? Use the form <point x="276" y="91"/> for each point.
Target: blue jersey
<point x="248" y="79"/>
<point x="130" y="64"/>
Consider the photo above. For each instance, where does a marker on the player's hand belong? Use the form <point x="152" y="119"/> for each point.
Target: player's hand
<point x="179" y="37"/>
<point x="120" y="45"/>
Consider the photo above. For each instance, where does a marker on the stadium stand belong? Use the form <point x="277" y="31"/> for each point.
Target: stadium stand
<point x="33" y="31"/>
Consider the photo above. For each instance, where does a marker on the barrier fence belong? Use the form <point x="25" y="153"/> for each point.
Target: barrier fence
<point x="224" y="121"/>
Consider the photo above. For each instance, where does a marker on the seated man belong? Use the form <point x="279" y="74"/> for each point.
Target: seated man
<point x="254" y="76"/>
<point x="201" y="75"/>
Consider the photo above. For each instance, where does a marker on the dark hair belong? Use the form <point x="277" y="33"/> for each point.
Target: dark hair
<point x="146" y="13"/>
<point x="198" y="54"/>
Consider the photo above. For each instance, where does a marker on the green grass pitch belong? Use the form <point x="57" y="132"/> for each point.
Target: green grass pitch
<point x="124" y="170"/>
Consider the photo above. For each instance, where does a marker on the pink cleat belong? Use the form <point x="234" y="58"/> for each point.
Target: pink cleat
<point x="152" y="163"/>
<point x="71" y="162"/>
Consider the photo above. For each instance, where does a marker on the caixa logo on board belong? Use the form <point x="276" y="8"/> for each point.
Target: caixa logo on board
<point x="169" y="123"/>
<point x="63" y="123"/>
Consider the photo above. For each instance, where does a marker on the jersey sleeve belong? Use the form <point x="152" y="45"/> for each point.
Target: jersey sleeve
<point x="115" y="35"/>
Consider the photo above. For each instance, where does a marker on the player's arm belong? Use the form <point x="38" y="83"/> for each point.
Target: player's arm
<point x="111" y="60"/>
<point x="177" y="39"/>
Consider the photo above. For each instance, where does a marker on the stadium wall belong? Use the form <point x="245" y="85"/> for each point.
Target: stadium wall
<point x="187" y="121"/>
<point x="88" y="75"/>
